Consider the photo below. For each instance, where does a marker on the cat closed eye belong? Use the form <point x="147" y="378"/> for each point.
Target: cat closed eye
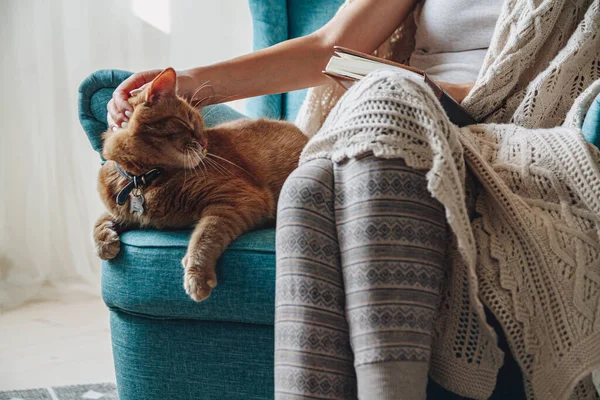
<point x="183" y="123"/>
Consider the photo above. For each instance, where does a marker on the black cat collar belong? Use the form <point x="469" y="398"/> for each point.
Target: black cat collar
<point x="135" y="181"/>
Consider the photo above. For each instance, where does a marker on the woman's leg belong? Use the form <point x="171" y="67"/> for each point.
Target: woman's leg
<point x="392" y="238"/>
<point x="313" y="359"/>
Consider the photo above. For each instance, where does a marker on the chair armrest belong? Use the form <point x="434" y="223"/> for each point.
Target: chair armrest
<point x="94" y="93"/>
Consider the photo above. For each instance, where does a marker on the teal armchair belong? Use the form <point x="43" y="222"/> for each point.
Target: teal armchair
<point x="166" y="346"/>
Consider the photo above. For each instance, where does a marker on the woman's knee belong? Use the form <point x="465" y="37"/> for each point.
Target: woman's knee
<point x="389" y="86"/>
<point x="308" y="186"/>
<point x="378" y="175"/>
<point x="382" y="104"/>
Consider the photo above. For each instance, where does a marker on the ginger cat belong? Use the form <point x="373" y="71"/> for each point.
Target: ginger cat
<point x="167" y="171"/>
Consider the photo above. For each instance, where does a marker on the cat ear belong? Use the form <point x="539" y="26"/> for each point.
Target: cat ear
<point x="163" y="85"/>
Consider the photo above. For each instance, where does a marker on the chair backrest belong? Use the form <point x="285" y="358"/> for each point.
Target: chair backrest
<point x="275" y="21"/>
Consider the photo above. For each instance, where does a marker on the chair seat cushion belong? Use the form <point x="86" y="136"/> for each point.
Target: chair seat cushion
<point x="146" y="278"/>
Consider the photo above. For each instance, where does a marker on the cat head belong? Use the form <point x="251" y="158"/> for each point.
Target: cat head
<point x="164" y="130"/>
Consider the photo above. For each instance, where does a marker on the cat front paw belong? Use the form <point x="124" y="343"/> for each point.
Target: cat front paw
<point x="200" y="277"/>
<point x="107" y="242"/>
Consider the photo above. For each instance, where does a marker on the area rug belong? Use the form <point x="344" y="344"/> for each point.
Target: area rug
<point x="95" y="391"/>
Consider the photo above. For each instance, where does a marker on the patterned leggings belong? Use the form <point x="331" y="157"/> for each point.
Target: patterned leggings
<point x="360" y="255"/>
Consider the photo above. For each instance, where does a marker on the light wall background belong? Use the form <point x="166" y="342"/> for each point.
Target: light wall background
<point x="48" y="199"/>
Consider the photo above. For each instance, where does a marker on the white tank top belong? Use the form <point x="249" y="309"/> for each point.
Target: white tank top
<point x="453" y="36"/>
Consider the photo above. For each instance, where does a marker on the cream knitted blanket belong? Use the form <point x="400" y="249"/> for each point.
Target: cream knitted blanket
<point x="532" y="255"/>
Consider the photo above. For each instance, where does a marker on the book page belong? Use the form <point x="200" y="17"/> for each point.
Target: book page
<point x="358" y="67"/>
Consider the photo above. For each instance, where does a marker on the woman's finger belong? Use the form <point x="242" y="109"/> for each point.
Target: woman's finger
<point x="138" y="90"/>
<point x="111" y="124"/>
<point x="122" y="92"/>
<point x="112" y="112"/>
<point x="120" y="97"/>
<point x="116" y="117"/>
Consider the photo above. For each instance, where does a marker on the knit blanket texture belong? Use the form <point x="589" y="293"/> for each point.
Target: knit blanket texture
<point x="526" y="234"/>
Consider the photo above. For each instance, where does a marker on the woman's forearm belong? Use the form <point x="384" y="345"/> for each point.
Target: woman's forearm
<point x="294" y="64"/>
<point x="290" y="65"/>
<point x="297" y="64"/>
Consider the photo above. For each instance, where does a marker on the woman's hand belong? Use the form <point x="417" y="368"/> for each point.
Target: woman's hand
<point x="119" y="109"/>
<point x="458" y="91"/>
<point x="290" y="65"/>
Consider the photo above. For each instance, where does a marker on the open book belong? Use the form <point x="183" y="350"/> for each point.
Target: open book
<point x="349" y="66"/>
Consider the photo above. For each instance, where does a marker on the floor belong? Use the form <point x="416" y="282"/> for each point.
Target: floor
<point x="55" y="343"/>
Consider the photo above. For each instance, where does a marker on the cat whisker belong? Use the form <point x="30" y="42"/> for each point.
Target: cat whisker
<point x="203" y="167"/>
<point x="222" y="167"/>
<point x="196" y="167"/>
<point x="200" y="164"/>
<point x="198" y="102"/>
<point x="202" y="86"/>
<point x="212" y="110"/>
<point x="227" y="161"/>
<point x="222" y="101"/>
<point x="211" y="164"/>
<point x="219" y="168"/>
<point x="225" y="98"/>
<point x="185" y="161"/>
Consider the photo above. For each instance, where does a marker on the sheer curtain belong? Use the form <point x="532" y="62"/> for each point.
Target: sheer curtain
<point x="48" y="199"/>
